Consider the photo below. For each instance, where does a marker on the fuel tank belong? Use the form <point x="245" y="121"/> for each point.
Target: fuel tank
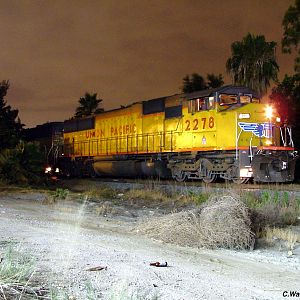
<point x="131" y="168"/>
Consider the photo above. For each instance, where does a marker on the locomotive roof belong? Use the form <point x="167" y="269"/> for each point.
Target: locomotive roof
<point x="227" y="89"/>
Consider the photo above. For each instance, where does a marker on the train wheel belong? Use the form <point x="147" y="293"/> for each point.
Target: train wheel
<point x="209" y="178"/>
<point x="241" y="180"/>
<point x="179" y="175"/>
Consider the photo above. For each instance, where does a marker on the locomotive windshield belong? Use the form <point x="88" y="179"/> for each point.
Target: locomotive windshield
<point x="226" y="99"/>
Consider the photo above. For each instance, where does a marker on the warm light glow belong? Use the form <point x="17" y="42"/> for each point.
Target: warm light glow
<point x="278" y="119"/>
<point x="269" y="112"/>
<point x="268" y="142"/>
<point x="48" y="170"/>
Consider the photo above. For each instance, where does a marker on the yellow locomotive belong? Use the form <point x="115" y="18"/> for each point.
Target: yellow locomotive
<point x="217" y="133"/>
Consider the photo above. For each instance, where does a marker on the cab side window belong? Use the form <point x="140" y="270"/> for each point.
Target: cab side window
<point x="196" y="105"/>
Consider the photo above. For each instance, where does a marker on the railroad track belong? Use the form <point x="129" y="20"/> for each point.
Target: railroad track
<point x="171" y="185"/>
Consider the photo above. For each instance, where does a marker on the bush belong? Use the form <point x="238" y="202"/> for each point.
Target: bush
<point x="197" y="198"/>
<point x="21" y="165"/>
<point x="222" y="222"/>
<point x="272" y="208"/>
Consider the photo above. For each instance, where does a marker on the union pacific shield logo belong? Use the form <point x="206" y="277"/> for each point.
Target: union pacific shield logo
<point x="260" y="130"/>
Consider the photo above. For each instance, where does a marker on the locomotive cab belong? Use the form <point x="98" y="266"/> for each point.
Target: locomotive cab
<point x="236" y="137"/>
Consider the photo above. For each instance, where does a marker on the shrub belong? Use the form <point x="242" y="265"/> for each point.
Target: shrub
<point x="22" y="164"/>
<point x="272" y="208"/>
<point x="222" y="222"/>
<point x="197" y="198"/>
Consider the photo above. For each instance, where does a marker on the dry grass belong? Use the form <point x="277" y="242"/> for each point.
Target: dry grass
<point x="101" y="193"/>
<point x="146" y="196"/>
<point x="222" y="222"/>
<point x="16" y="276"/>
<point x="272" y="209"/>
<point x="154" y="196"/>
<point x="284" y="234"/>
<point x="105" y="208"/>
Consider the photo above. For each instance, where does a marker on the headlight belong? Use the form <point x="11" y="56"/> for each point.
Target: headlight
<point x="269" y="112"/>
<point x="268" y="142"/>
<point x="48" y="170"/>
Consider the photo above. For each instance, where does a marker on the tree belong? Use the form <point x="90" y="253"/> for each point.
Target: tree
<point x="291" y="34"/>
<point x="253" y="62"/>
<point x="286" y="97"/>
<point x="214" y="81"/>
<point x="10" y="124"/>
<point x="22" y="164"/>
<point x="196" y="82"/>
<point x="88" y="105"/>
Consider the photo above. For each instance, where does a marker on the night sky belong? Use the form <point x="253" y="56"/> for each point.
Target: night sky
<point x="54" y="51"/>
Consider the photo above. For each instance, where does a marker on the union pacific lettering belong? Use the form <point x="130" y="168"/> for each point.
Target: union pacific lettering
<point x="97" y="133"/>
<point x="123" y="129"/>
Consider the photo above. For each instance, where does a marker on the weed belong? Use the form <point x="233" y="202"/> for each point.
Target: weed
<point x="105" y="209"/>
<point x="285" y="234"/>
<point x="15" y="266"/>
<point x="101" y="193"/>
<point x="58" y="194"/>
<point x="16" y="271"/>
<point x="61" y="193"/>
<point x="146" y="196"/>
<point x="197" y="198"/>
<point x="17" y="280"/>
<point x="272" y="208"/>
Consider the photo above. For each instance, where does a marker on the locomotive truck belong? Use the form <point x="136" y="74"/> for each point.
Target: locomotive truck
<point x="216" y="133"/>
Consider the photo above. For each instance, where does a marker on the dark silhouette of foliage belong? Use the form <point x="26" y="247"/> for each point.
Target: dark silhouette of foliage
<point x="88" y="105"/>
<point x="253" y="62"/>
<point x="214" y="81"/>
<point x="22" y="164"/>
<point x="10" y="124"/>
<point x="291" y="34"/>
<point x="286" y="97"/>
<point x="196" y="82"/>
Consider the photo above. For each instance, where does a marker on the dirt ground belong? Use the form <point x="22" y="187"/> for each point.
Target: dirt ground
<point x="67" y="238"/>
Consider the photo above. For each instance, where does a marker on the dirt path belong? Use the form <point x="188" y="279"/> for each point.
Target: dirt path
<point x="68" y="238"/>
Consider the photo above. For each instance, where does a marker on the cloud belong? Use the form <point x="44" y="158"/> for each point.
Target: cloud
<point x="55" y="51"/>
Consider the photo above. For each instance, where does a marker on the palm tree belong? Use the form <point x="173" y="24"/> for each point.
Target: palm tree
<point x="88" y="105"/>
<point x="253" y="62"/>
<point x="291" y="37"/>
<point x="214" y="81"/>
<point x="194" y="83"/>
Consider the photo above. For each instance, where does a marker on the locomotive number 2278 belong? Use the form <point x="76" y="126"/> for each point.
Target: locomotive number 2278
<point x="197" y="124"/>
